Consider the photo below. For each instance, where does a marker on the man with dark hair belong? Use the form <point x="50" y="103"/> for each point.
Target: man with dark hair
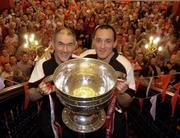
<point x="105" y="26"/>
<point x="104" y="43"/>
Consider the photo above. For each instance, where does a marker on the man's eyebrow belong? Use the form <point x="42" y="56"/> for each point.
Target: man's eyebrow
<point x="109" y="39"/>
<point x="59" y="42"/>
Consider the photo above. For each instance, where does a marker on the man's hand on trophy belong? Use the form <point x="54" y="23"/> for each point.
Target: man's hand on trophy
<point x="123" y="99"/>
<point x="46" y="88"/>
<point x="121" y="75"/>
<point x="121" y="85"/>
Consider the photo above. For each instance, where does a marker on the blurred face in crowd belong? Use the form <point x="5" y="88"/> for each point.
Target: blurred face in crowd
<point x="130" y="32"/>
<point x="139" y="57"/>
<point x="173" y="59"/>
<point x="5" y="53"/>
<point x="7" y="67"/>
<point x="5" y="13"/>
<point x="137" y="32"/>
<point x="13" y="60"/>
<point x="104" y="43"/>
<point x="79" y="26"/>
<point x="11" y="33"/>
<point x="101" y="21"/>
<point x="64" y="45"/>
<point x="153" y="61"/>
<point x="25" y="58"/>
<point x="140" y="24"/>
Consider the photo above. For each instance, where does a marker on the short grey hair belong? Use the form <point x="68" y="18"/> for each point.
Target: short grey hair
<point x="66" y="31"/>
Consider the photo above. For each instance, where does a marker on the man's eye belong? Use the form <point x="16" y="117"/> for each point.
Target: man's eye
<point x="98" y="40"/>
<point x="108" y="41"/>
<point x="61" y="44"/>
<point x="70" y="45"/>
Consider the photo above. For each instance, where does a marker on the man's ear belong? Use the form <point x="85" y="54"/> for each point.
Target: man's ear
<point x="115" y="43"/>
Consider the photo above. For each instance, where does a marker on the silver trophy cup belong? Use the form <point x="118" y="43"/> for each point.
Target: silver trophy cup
<point x="84" y="87"/>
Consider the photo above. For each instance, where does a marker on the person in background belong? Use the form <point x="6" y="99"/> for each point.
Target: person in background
<point x="4" y="57"/>
<point x="153" y="69"/>
<point x="7" y="74"/>
<point x="25" y="66"/>
<point x="17" y="73"/>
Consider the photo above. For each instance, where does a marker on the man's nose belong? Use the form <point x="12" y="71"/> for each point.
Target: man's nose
<point x="102" y="44"/>
<point x="65" y="48"/>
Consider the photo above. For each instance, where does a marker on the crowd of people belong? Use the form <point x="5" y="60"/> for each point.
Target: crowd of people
<point x="112" y="31"/>
<point x="134" y="23"/>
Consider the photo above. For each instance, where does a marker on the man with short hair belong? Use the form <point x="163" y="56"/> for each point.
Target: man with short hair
<point x="104" y="43"/>
<point x="51" y="125"/>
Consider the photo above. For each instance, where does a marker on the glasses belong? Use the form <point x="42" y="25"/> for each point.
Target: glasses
<point x="100" y="41"/>
<point x="68" y="46"/>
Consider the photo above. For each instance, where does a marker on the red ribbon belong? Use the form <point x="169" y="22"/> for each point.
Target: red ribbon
<point x="26" y="95"/>
<point x="110" y="114"/>
<point x="58" y="128"/>
<point x="174" y="98"/>
<point x="165" y="81"/>
<point x="121" y="86"/>
<point x="49" y="85"/>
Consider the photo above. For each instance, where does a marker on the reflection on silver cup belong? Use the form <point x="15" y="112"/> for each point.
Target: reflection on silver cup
<point x="84" y="87"/>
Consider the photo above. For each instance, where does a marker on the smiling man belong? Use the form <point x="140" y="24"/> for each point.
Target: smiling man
<point x="104" y="43"/>
<point x="50" y="121"/>
<point x="64" y="45"/>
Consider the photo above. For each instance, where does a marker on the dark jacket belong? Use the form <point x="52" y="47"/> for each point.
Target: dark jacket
<point x="44" y="120"/>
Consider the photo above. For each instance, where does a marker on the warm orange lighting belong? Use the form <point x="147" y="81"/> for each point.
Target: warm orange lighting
<point x="152" y="47"/>
<point x="30" y="42"/>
